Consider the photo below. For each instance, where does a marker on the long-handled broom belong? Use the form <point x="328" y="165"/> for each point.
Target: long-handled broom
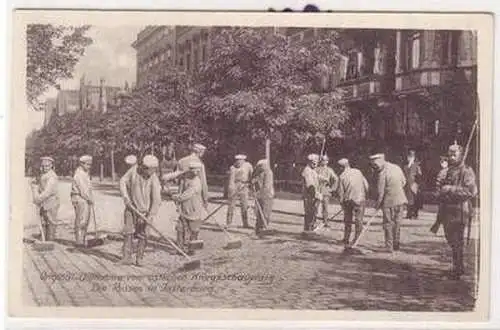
<point x="98" y="239"/>
<point x="353" y="248"/>
<point x="191" y="263"/>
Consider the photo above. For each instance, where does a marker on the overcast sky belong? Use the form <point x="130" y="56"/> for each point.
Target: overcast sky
<point x="110" y="56"/>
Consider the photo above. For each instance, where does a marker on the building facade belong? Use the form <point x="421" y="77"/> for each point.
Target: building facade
<point x="50" y="109"/>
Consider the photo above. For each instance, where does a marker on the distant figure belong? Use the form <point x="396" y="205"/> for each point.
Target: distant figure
<point x="82" y="198"/>
<point x="413" y="175"/>
<point x="328" y="182"/>
<point x="311" y="193"/>
<point x="439" y="183"/>
<point x="456" y="192"/>
<point x="352" y="191"/>
<point x="46" y="197"/>
<point x="391" y="198"/>
<point x="263" y="184"/>
<point x="238" y="188"/>
<point x="141" y="192"/>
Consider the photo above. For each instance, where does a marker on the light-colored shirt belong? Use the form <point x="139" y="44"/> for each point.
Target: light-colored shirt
<point x="47" y="195"/>
<point x="183" y="165"/>
<point x="239" y="175"/>
<point x="144" y="194"/>
<point x="310" y="179"/>
<point x="353" y="186"/>
<point x="328" y="180"/>
<point x="82" y="186"/>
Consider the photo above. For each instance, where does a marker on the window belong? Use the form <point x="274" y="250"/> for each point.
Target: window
<point x="415" y="51"/>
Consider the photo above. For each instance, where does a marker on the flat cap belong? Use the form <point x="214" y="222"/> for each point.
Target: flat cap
<point x="262" y="162"/>
<point x="199" y="147"/>
<point x="150" y="161"/>
<point x="377" y="156"/>
<point x="324" y="157"/>
<point x="343" y="162"/>
<point x="195" y="165"/>
<point x="131" y="159"/>
<point x="313" y="157"/>
<point x="240" y="157"/>
<point x="86" y="159"/>
<point x="454" y="148"/>
<point x="411" y="152"/>
<point x="47" y="159"/>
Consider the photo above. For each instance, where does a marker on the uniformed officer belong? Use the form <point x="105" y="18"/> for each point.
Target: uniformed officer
<point x="456" y="192"/>
<point x="328" y="182"/>
<point x="391" y="198"/>
<point x="413" y="174"/>
<point x="46" y="197"/>
<point x="238" y="188"/>
<point x="263" y="184"/>
<point x="311" y="192"/>
<point x="352" y="191"/>
<point x="82" y="198"/>
<point x="191" y="207"/>
<point x="197" y="152"/>
<point x="141" y="190"/>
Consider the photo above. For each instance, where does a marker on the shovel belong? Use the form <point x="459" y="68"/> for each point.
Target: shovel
<point x="191" y="263"/>
<point x="98" y="240"/>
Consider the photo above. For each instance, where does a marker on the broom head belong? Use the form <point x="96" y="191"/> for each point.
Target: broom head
<point x="191" y="265"/>
<point x="232" y="245"/>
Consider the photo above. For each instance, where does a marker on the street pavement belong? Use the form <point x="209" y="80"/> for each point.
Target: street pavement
<point x="285" y="270"/>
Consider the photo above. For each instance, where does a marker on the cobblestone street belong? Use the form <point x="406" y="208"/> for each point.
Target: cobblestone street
<point x="282" y="271"/>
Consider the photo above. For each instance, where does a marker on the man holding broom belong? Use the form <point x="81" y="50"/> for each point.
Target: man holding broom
<point x="190" y="204"/>
<point x="141" y="192"/>
<point x="45" y="196"/>
<point x="263" y="186"/>
<point x="82" y="198"/>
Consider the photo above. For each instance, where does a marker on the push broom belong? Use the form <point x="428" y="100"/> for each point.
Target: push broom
<point x="191" y="263"/>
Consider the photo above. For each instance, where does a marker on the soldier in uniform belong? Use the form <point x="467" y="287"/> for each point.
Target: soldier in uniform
<point x="82" y="198"/>
<point x="46" y="197"/>
<point x="140" y="189"/>
<point x="311" y="193"/>
<point x="413" y="174"/>
<point x="456" y="192"/>
<point x="190" y="205"/>
<point x="391" y="198"/>
<point x="238" y="188"/>
<point x="263" y="184"/>
<point x="328" y="182"/>
<point x="352" y="191"/>
<point x="197" y="152"/>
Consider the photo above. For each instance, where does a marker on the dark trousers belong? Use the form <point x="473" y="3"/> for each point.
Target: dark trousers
<point x="310" y="209"/>
<point x="392" y="217"/>
<point x="454" y="233"/>
<point x="352" y="211"/>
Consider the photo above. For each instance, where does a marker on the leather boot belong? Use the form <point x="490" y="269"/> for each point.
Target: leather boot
<point x="127" y="251"/>
<point x="141" y="248"/>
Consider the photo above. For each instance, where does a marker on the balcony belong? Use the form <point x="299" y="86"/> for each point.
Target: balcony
<point x="362" y="88"/>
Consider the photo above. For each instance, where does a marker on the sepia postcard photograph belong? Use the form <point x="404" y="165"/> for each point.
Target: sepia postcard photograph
<point x="299" y="166"/>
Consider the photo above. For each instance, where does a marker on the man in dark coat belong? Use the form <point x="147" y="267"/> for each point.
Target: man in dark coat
<point x="413" y="175"/>
<point x="456" y="192"/>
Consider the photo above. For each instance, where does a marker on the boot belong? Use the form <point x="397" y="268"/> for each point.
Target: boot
<point x="141" y="248"/>
<point x="127" y="251"/>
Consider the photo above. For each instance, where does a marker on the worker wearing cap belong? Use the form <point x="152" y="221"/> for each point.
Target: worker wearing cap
<point x="311" y="193"/>
<point x="141" y="192"/>
<point x="263" y="185"/>
<point x="82" y="198"/>
<point x="455" y="196"/>
<point x="328" y="182"/>
<point x="190" y="205"/>
<point x="352" y="191"/>
<point x="131" y="160"/>
<point x="240" y="174"/>
<point x="46" y="197"/>
<point x="391" y="198"/>
<point x="196" y="156"/>
<point x="413" y="175"/>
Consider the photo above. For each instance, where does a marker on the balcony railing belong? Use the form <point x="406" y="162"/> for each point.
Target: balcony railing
<point x="362" y="88"/>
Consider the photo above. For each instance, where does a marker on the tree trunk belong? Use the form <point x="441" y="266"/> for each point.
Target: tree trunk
<point x="113" y="174"/>
<point x="101" y="176"/>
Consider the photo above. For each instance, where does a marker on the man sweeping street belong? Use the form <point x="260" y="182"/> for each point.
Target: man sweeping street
<point x="141" y="192"/>
<point x="45" y="196"/>
<point x="82" y="198"/>
<point x="190" y="205"/>
<point x="391" y="199"/>
<point x="455" y="195"/>
<point x="263" y="184"/>
<point x="196" y="156"/>
<point x="352" y="191"/>
<point x="328" y="182"/>
<point x="311" y="193"/>
<point x="238" y="189"/>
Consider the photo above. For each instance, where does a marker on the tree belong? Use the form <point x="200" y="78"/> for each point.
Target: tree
<point x="52" y="53"/>
<point x="258" y="86"/>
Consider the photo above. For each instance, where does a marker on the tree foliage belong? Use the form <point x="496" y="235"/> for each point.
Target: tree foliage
<point x="52" y="53"/>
